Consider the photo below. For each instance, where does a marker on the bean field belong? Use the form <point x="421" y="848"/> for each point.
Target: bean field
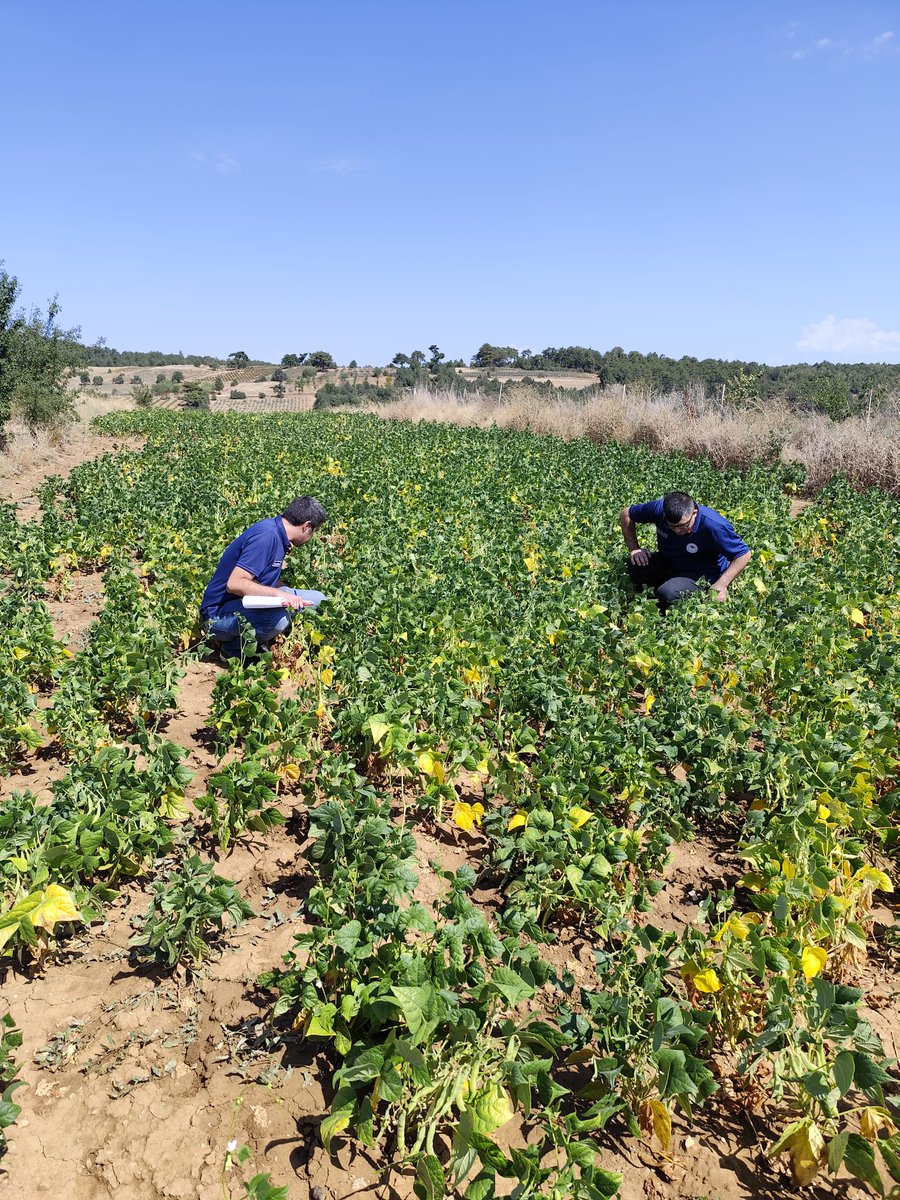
<point x="429" y="849"/>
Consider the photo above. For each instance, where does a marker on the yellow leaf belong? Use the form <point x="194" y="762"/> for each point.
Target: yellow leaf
<point x="19" y="652"/>
<point x="876" y="878"/>
<point x="707" y="981"/>
<point x="327" y="676"/>
<point x="483" y="768"/>
<point x="472" y="675"/>
<point x="649" y="701"/>
<point x="172" y="805"/>
<point x="788" y="870"/>
<point x="736" y="926"/>
<point x="289" y="770"/>
<point x="425" y="762"/>
<point x="857" y="616"/>
<point x="378" y="729"/>
<point x="56" y="905"/>
<point x="518" y="821"/>
<point x="579" y="816"/>
<point x="873" y="1119"/>
<point x="466" y="815"/>
<point x="807" y="1155"/>
<point x="813" y="960"/>
<point x="823" y="813"/>
<point x="655" y="1117"/>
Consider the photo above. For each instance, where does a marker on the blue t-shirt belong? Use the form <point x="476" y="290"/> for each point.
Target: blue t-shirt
<point x="260" y="550"/>
<point x="704" y="553"/>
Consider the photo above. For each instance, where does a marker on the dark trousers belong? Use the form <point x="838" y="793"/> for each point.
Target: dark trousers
<point x="655" y="574"/>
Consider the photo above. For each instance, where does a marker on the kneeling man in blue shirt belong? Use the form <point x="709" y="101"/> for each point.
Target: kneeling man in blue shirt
<point x="693" y="543"/>
<point x="251" y="566"/>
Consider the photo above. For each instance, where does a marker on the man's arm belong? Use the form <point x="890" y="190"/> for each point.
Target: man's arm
<point x="636" y="553"/>
<point x="728" y="576"/>
<point x="242" y="583"/>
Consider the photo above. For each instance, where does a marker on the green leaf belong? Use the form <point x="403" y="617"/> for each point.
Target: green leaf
<point x="429" y="1178"/>
<point x="817" y="1084"/>
<point x="343" y="1109"/>
<point x="605" y="1183"/>
<point x="417" y="1005"/>
<point x="492" y="1157"/>
<point x="836" y="1149"/>
<point x="859" y="1159"/>
<point x="890" y="1152"/>
<point x="482" y="1187"/>
<point x="260" y="1188"/>
<point x="574" y="875"/>
<point x="842" y="1071"/>
<point x="347" y="937"/>
<point x="868" y="1074"/>
<point x="512" y="987"/>
<point x="673" y="1078"/>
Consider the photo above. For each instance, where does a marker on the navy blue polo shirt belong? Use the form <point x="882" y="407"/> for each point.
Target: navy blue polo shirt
<point x="704" y="553"/>
<point x="260" y="550"/>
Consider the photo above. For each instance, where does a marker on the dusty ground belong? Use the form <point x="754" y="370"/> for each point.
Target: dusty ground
<point x="137" y="1079"/>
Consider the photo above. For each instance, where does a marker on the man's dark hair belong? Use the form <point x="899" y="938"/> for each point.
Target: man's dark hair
<point x="677" y="507"/>
<point x="305" y="509"/>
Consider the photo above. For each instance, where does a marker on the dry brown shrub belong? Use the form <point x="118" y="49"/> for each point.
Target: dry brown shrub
<point x="862" y="448"/>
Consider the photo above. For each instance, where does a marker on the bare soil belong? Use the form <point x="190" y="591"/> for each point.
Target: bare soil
<point x="138" y="1078"/>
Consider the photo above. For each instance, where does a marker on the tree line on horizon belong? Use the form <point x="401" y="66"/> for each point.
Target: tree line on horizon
<point x="837" y="389"/>
<point x="37" y="356"/>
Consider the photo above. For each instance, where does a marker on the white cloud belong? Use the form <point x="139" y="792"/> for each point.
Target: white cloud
<point x="221" y="163"/>
<point x="337" y="166"/>
<point x="849" y="335"/>
<point x="882" y="43"/>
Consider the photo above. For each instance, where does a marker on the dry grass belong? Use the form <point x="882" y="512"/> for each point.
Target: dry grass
<point x="863" y="449"/>
<point x="29" y="455"/>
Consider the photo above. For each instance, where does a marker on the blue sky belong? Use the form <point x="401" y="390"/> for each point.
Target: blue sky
<point x="718" y="179"/>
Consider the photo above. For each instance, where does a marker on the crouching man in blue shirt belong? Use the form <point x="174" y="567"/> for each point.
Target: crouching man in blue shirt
<point x="693" y="543"/>
<point x="251" y="566"/>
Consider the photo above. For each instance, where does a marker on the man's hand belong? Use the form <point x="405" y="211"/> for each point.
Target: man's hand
<point x="639" y="557"/>
<point x="721" y="593"/>
<point x="292" y="601"/>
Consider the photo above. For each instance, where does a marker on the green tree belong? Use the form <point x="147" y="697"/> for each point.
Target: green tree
<point x="321" y="360"/>
<point x="238" y="358"/>
<point x="36" y="355"/>
<point x="9" y="327"/>
<point x="195" y="394"/>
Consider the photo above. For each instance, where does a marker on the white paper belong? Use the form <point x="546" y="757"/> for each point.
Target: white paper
<point x="263" y="602"/>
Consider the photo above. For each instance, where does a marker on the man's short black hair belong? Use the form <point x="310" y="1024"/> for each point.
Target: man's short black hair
<point x="305" y="510"/>
<point x="677" y="507"/>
